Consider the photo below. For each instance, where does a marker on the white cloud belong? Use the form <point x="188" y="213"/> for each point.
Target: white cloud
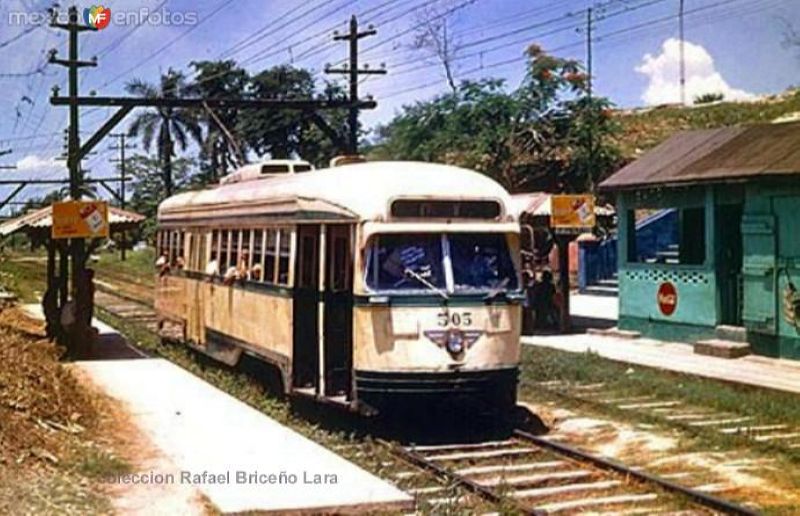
<point x="32" y="162"/>
<point x="663" y="72"/>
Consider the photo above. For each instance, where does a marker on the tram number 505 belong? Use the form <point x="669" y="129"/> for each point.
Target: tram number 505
<point x="454" y="319"/>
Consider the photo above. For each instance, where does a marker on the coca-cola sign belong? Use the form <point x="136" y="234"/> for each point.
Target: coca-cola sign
<point x="667" y="298"/>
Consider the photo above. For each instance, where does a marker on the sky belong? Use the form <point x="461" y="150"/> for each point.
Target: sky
<point x="734" y="47"/>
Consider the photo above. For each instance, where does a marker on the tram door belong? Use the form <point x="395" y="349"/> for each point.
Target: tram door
<point x="338" y="297"/>
<point x="305" y="359"/>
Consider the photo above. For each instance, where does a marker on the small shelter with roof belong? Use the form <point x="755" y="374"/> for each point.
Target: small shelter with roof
<point x="730" y="271"/>
<point x="37" y="225"/>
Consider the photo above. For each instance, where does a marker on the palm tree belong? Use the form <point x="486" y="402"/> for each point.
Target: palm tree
<point x="172" y="125"/>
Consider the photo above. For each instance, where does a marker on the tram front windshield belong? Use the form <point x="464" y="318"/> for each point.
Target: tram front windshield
<point x="476" y="262"/>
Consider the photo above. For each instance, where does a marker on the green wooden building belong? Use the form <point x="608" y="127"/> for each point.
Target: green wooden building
<point x="730" y="268"/>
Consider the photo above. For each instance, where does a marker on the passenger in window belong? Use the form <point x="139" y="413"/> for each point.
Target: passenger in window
<point x="256" y="273"/>
<point x="231" y="275"/>
<point x="243" y="268"/>
<point x="212" y="268"/>
<point x="179" y="263"/>
<point x="162" y="264"/>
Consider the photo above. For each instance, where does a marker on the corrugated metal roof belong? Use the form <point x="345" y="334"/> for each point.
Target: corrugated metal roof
<point x="715" y="155"/>
<point x="42" y="219"/>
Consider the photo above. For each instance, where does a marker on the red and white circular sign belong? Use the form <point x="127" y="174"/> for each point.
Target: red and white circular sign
<point x="667" y="298"/>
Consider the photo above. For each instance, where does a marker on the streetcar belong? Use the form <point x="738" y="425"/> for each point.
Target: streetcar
<point x="366" y="285"/>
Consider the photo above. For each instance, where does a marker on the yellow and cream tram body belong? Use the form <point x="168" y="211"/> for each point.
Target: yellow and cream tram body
<point x="363" y="284"/>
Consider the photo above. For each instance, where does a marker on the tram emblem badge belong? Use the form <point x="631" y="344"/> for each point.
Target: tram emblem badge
<point x="455" y="341"/>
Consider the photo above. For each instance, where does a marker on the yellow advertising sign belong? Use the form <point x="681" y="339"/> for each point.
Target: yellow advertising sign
<point x="572" y="211"/>
<point x="80" y="219"/>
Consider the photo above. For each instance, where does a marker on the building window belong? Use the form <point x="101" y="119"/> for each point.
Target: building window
<point x="675" y="236"/>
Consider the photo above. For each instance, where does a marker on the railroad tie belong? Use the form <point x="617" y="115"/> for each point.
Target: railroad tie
<point x="482" y="454"/>
<point x="466" y="446"/>
<point x="654" y="404"/>
<point x="541" y="492"/>
<point x="508" y="468"/>
<point x="595" y="502"/>
<point x="716" y="422"/>
<point x="535" y="479"/>
<point x="751" y="429"/>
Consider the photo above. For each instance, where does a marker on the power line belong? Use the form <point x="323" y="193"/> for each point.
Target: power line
<point x="266" y="53"/>
<point x="117" y="42"/>
<point x="260" y="33"/>
<point x="601" y="38"/>
<point x="223" y="4"/>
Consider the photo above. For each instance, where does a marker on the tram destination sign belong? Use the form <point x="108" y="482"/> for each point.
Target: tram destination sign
<point x="80" y="219"/>
<point x="572" y="213"/>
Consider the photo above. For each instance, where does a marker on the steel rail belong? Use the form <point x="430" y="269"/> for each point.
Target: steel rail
<point x="698" y="497"/>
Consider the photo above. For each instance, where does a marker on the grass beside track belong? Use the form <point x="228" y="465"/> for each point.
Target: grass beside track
<point x="538" y="365"/>
<point x="542" y="365"/>
<point x="622" y="380"/>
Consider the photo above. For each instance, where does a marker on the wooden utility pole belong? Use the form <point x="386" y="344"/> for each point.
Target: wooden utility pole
<point x="77" y="151"/>
<point x="121" y="147"/>
<point x="77" y="245"/>
<point x="683" y="56"/>
<point x="352" y="70"/>
<point x="589" y="92"/>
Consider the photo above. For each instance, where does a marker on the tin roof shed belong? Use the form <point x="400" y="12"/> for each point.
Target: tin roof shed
<point x="715" y="156"/>
<point x="41" y="221"/>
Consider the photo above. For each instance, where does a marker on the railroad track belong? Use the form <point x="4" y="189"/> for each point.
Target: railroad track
<point x="680" y="414"/>
<point x="533" y="475"/>
<point x="524" y="473"/>
<point x="127" y="307"/>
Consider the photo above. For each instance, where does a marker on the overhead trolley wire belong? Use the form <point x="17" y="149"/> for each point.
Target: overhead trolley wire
<point x="600" y="38"/>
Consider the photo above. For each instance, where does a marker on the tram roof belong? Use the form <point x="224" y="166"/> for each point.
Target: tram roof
<point x="357" y="191"/>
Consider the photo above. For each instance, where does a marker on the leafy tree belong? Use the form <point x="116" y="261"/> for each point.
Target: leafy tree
<point x="224" y="147"/>
<point x="148" y="186"/>
<point x="172" y="125"/>
<point x="545" y="135"/>
<point x="276" y="132"/>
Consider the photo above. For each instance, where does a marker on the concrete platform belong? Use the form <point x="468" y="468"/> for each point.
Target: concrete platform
<point x="752" y="370"/>
<point x="221" y="447"/>
<point x="110" y="344"/>
<point x="240" y="459"/>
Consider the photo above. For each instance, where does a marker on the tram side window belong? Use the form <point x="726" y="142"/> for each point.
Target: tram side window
<point x="233" y="259"/>
<point x="245" y="254"/>
<point x="175" y="244"/>
<point x="159" y="243"/>
<point x="257" y="269"/>
<point x="212" y="267"/>
<point x="283" y="256"/>
<point x="675" y="236"/>
<point x="223" y="250"/>
<point x="270" y="256"/>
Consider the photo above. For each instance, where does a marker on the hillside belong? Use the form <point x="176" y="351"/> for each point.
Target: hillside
<point x="643" y="129"/>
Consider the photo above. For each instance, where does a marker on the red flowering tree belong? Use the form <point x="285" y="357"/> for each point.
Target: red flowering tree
<point x="545" y="135"/>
